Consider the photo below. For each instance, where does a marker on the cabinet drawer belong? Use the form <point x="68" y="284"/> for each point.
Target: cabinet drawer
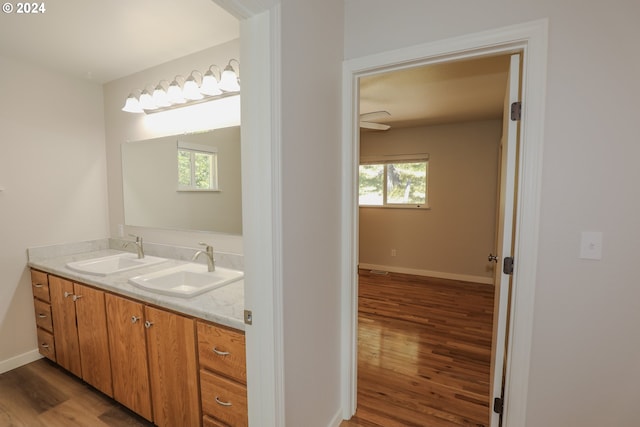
<point x="40" y="285"/>
<point x="222" y="350"/>
<point x="207" y="421"/>
<point x="224" y="399"/>
<point x="43" y="315"/>
<point x="45" y="345"/>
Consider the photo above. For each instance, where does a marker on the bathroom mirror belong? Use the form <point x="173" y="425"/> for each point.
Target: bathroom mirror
<point x="154" y="198"/>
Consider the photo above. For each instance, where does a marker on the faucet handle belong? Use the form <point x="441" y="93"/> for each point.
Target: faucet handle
<point x="138" y="238"/>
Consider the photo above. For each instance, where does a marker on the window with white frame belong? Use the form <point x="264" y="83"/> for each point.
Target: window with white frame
<point x="395" y="181"/>
<point x="197" y="167"/>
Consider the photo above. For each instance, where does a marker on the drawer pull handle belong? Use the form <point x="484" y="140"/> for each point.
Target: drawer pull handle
<point x="220" y="353"/>
<point x="42" y="316"/>
<point x="220" y="402"/>
<point x="44" y="346"/>
<point x="38" y="285"/>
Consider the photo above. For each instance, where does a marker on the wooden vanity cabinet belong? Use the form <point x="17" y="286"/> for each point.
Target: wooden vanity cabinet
<point x="171" y="340"/>
<point x="80" y="325"/>
<point x="171" y="369"/>
<point x="42" y="307"/>
<point x="128" y="346"/>
<point x="63" y="310"/>
<point x="223" y="375"/>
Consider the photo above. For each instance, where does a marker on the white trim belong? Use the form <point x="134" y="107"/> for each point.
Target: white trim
<point x="336" y="420"/>
<point x="429" y="273"/>
<point x="261" y="141"/>
<point x="531" y="39"/>
<point x="19" y="360"/>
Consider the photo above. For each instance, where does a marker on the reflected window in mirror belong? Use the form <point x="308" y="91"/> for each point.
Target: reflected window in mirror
<point x="197" y="167"/>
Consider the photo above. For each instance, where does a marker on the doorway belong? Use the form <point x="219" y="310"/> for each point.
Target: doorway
<point x="429" y="196"/>
<point x="530" y="39"/>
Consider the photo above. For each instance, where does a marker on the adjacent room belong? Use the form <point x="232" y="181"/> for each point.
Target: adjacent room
<point x="428" y="194"/>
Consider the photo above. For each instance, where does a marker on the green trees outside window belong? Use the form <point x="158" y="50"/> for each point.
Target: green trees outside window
<point x="400" y="183"/>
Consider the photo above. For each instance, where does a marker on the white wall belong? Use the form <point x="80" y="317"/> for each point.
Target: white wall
<point x="121" y="127"/>
<point x="454" y="236"/>
<point x="53" y="175"/>
<point x="584" y="367"/>
<point x="311" y="108"/>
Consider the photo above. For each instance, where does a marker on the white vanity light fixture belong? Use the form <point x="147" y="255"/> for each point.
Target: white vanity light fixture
<point x="196" y="88"/>
<point x="229" y="81"/>
<point x="132" y="104"/>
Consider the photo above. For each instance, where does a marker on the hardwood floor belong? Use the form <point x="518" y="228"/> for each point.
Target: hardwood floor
<point x="424" y="352"/>
<point x="41" y="394"/>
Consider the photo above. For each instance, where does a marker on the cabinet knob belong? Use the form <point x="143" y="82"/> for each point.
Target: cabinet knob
<point x="220" y="353"/>
<point x="220" y="402"/>
<point x="67" y="294"/>
<point x="134" y="319"/>
<point x="147" y="324"/>
<point x="76" y="297"/>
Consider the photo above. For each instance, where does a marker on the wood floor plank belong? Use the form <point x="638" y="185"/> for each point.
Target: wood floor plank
<point x="41" y="394"/>
<point x="424" y="352"/>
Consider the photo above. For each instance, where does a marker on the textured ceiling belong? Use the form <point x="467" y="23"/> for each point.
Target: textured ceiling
<point x="103" y="40"/>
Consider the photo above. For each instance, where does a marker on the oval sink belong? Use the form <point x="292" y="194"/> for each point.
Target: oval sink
<point x="113" y="264"/>
<point x="186" y="280"/>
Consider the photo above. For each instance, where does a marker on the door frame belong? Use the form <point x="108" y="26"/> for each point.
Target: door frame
<point x="531" y="40"/>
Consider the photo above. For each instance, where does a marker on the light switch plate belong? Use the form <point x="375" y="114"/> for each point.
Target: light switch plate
<point x="591" y="245"/>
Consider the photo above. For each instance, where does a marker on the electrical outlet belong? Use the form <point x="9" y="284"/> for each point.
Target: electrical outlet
<point x="393" y="252"/>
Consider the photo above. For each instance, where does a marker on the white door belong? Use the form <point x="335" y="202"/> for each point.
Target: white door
<point x="504" y="240"/>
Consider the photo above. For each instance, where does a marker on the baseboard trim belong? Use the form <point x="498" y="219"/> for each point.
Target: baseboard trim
<point x="19" y="360"/>
<point x="428" y="273"/>
<point x="336" y="420"/>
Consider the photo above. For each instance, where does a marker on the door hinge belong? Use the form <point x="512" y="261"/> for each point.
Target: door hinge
<point x="498" y="405"/>
<point x="248" y="317"/>
<point x="507" y="265"/>
<point x="516" y="111"/>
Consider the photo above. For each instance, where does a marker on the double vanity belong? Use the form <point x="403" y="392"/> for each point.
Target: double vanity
<point x="161" y="334"/>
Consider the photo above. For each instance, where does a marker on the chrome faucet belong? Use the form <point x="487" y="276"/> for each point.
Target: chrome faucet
<point x="138" y="244"/>
<point x="208" y="251"/>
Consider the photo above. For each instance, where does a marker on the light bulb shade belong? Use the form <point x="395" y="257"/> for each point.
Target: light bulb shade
<point x="146" y="101"/>
<point x="175" y="93"/>
<point x="229" y="80"/>
<point x="209" y="84"/>
<point x="160" y="97"/>
<point x="132" y="105"/>
<point x="191" y="90"/>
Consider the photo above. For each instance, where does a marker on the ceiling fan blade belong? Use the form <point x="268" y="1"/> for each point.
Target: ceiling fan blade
<point x="375" y="115"/>
<point x="374" y="126"/>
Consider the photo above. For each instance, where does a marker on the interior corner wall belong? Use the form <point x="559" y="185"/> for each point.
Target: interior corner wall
<point x="124" y="127"/>
<point x="453" y="237"/>
<point x="585" y="345"/>
<point x="53" y="181"/>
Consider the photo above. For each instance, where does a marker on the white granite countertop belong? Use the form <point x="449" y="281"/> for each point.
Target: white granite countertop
<point x="224" y="305"/>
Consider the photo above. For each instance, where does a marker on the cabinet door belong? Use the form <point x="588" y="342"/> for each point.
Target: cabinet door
<point x="128" y="346"/>
<point x="173" y="367"/>
<point x="92" y="337"/>
<point x="63" y="311"/>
